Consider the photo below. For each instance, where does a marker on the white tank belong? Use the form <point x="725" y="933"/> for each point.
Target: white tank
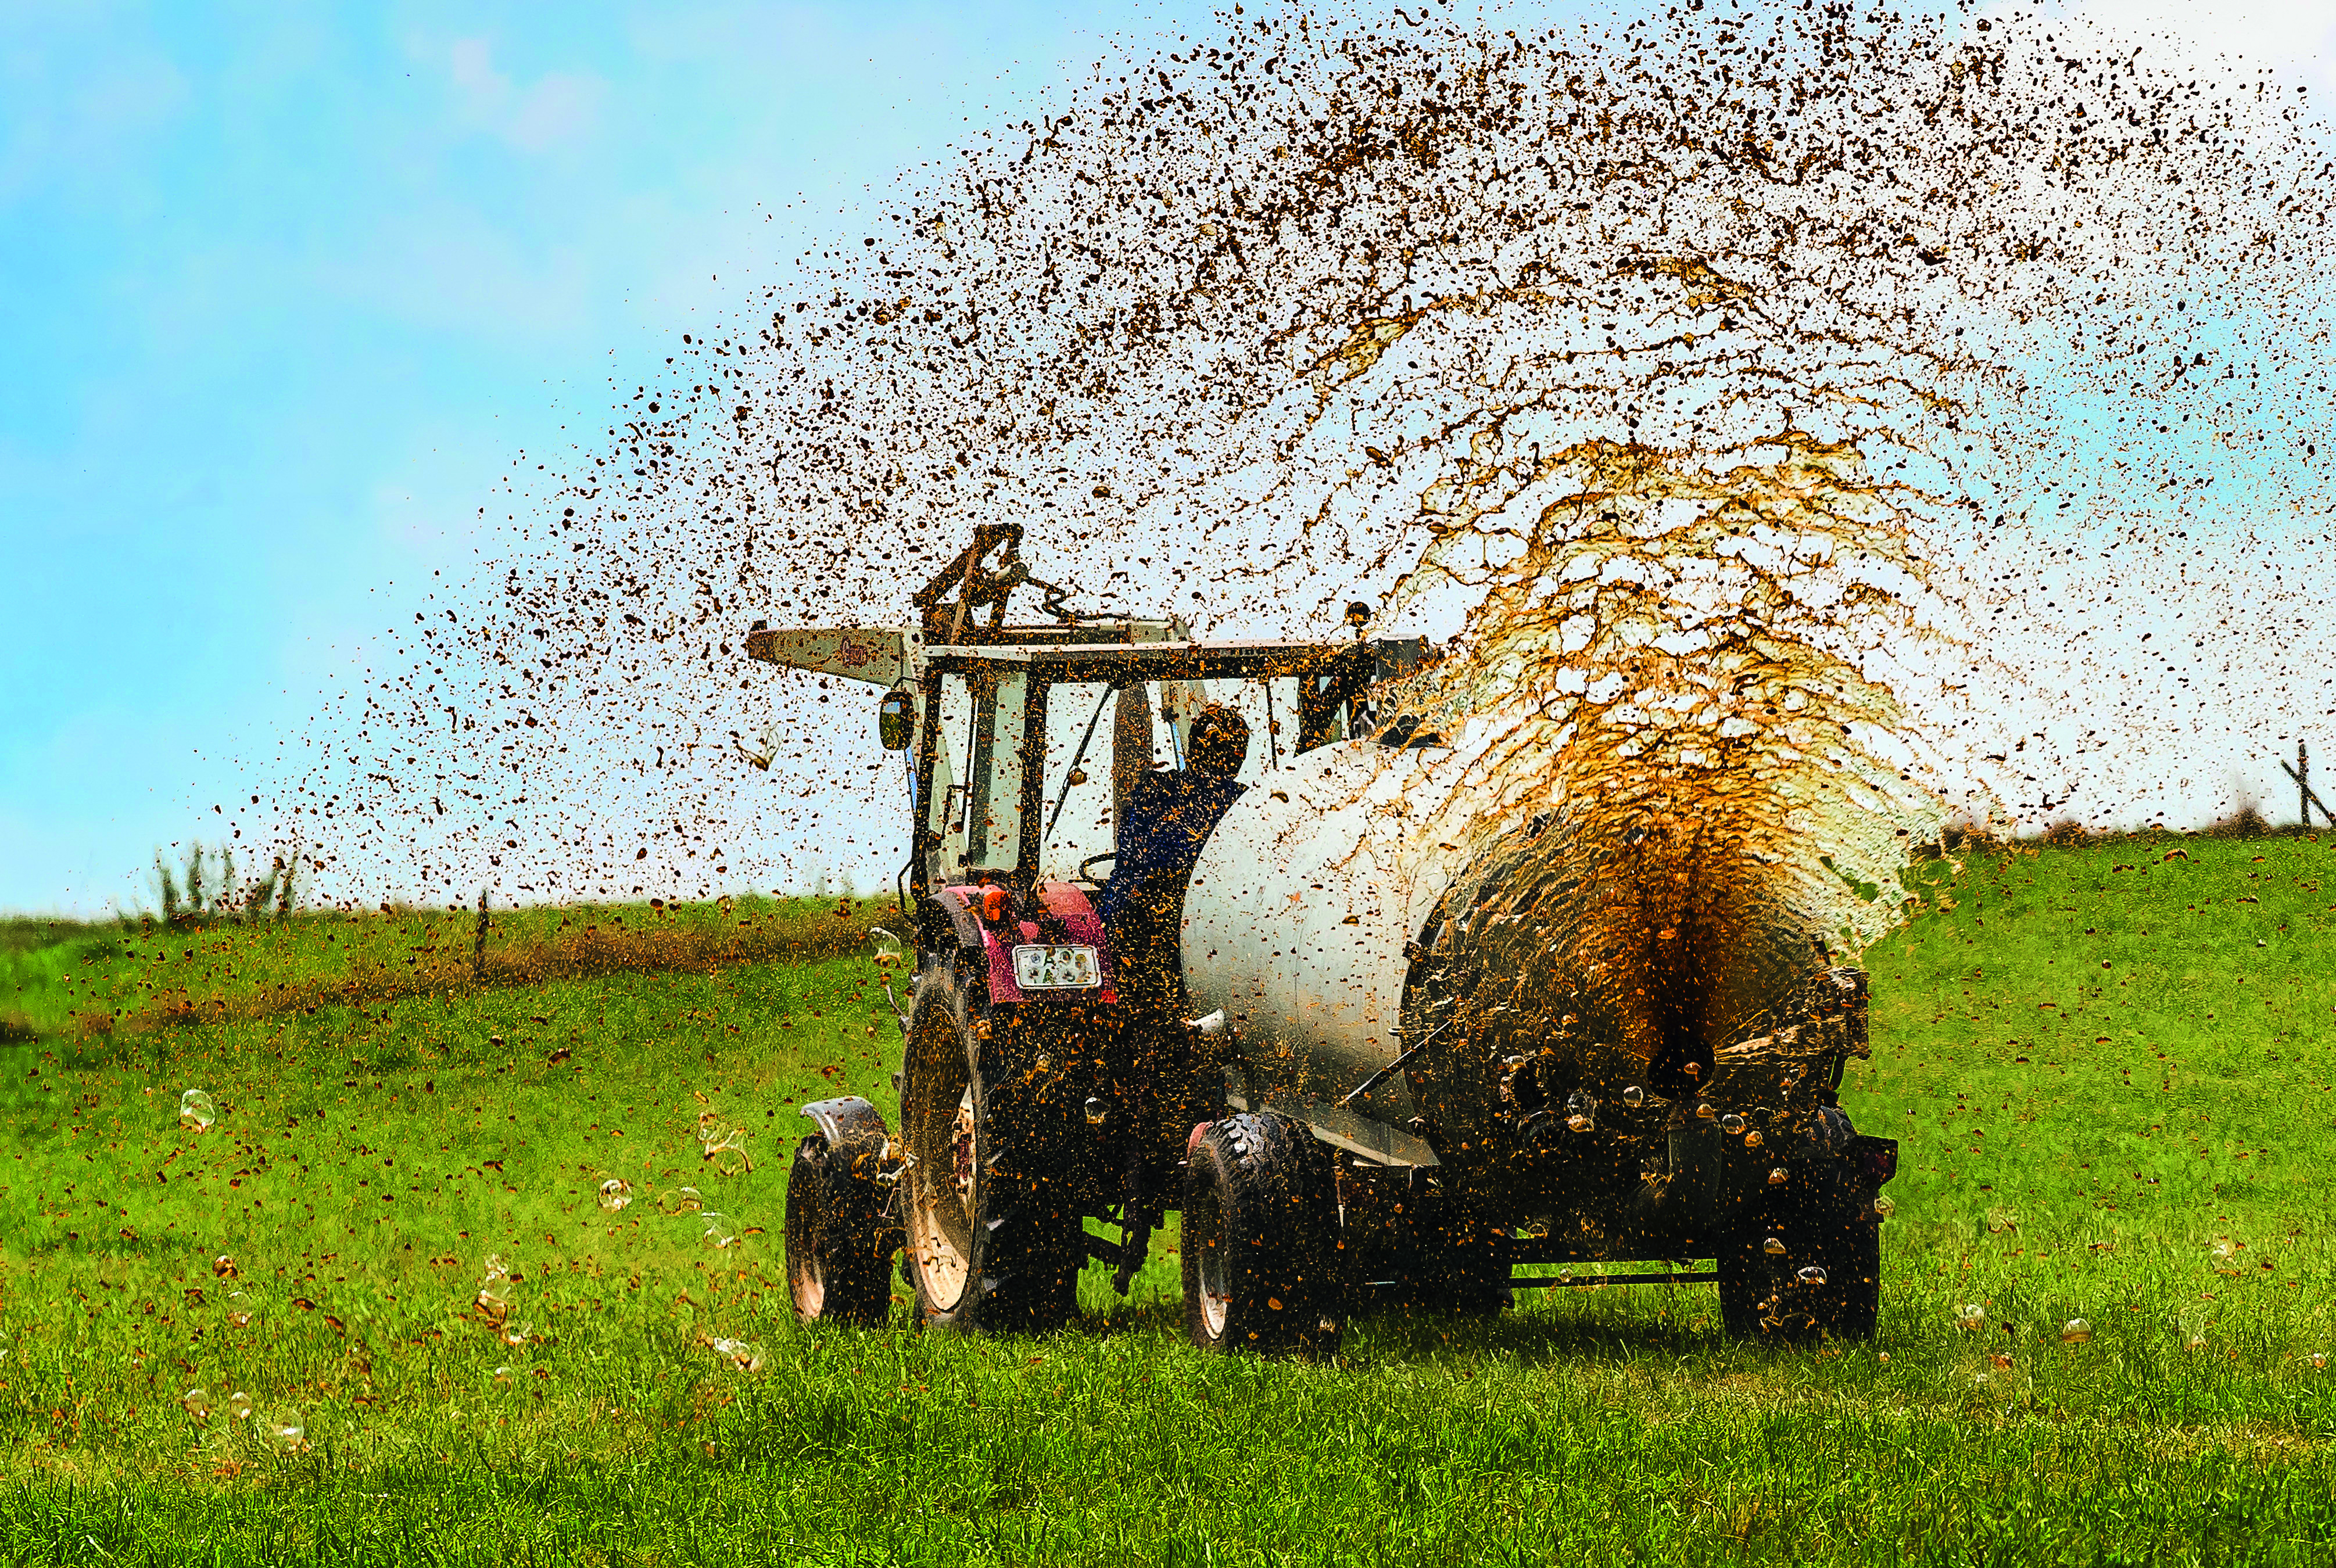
<point x="1295" y="927"/>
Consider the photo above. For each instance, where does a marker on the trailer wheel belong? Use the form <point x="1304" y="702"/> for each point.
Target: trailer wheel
<point x="835" y="1241"/>
<point x="1259" y="1240"/>
<point x="994" y="1243"/>
<point x="1826" y="1280"/>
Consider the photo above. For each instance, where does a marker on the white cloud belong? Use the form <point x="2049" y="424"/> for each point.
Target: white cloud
<point x="2296" y="37"/>
<point x="561" y="108"/>
<point x="2266" y="30"/>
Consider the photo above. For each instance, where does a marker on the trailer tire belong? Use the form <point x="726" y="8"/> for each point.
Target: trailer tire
<point x="1260" y="1241"/>
<point x="1823" y="1217"/>
<point x="994" y="1235"/>
<point x="836" y="1241"/>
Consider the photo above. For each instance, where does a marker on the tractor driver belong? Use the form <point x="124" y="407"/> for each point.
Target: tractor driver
<point x="1169" y="815"/>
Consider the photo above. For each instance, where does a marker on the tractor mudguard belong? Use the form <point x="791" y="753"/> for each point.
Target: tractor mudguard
<point x="854" y="1130"/>
<point x="952" y="903"/>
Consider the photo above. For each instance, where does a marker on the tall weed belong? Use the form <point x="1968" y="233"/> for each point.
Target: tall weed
<point x="207" y="889"/>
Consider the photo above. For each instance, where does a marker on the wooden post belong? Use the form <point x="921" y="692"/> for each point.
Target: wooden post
<point x="479" y="941"/>
<point x="2306" y="799"/>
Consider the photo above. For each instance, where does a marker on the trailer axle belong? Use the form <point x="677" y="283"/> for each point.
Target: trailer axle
<point x="1575" y="1282"/>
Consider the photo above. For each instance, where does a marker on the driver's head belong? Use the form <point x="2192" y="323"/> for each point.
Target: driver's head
<point x="1220" y="741"/>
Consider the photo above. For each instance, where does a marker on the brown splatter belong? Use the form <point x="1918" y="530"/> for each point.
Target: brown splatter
<point x="1796" y="330"/>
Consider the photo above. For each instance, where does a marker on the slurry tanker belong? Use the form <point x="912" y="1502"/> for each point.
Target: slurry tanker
<point x="1354" y="1048"/>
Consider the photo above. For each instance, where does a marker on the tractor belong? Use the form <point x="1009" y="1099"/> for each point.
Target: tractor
<point x="1299" y="1027"/>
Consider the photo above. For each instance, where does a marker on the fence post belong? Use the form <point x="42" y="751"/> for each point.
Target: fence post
<point x="479" y="941"/>
<point x="2303" y="787"/>
<point x="2305" y="798"/>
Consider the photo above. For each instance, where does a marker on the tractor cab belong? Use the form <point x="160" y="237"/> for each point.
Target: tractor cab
<point x="1025" y="741"/>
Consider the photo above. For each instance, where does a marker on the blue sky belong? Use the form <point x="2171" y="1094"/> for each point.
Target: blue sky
<point x="284" y="291"/>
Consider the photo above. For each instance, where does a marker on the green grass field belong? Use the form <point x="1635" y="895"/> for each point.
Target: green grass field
<point x="2111" y="1072"/>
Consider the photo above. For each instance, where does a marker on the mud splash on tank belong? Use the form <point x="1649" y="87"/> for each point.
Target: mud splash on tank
<point x="1685" y="783"/>
<point x="1682" y="795"/>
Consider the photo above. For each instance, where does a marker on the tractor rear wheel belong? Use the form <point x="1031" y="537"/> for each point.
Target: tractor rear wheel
<point x="1259" y="1239"/>
<point x="1807" y="1261"/>
<point x="835" y="1240"/>
<point x="994" y="1244"/>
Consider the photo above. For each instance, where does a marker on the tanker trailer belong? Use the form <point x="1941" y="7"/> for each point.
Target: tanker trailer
<point x="1453" y="1054"/>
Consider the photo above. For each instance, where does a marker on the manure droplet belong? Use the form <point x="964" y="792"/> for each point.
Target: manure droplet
<point x="743" y="1354"/>
<point x="1775" y="1246"/>
<point x="1970" y="1317"/>
<point x="712" y="1142"/>
<point x="615" y="1193"/>
<point x="2076" y="1331"/>
<point x="493" y="1300"/>
<point x="197" y="1111"/>
<point x="1732" y="1123"/>
<point x="198" y="1403"/>
<point x="238" y="1405"/>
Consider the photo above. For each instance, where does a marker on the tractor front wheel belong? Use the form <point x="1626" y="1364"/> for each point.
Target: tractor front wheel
<point x="994" y="1241"/>
<point x="836" y="1240"/>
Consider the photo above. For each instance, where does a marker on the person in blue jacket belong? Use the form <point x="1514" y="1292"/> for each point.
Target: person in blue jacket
<point x="1169" y="815"/>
